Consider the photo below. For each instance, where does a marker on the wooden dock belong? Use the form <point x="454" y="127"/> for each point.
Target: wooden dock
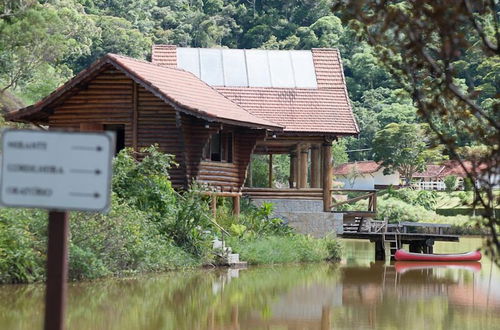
<point x="419" y="236"/>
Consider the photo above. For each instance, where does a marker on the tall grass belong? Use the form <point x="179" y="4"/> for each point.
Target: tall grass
<point x="286" y="249"/>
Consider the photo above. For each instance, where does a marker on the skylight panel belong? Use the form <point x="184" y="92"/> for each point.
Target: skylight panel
<point x="258" y="68"/>
<point x="211" y="66"/>
<point x="280" y="64"/>
<point x="188" y="59"/>
<point x="303" y="69"/>
<point x="235" y="70"/>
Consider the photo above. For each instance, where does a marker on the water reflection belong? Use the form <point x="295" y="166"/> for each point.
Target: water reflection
<point x="359" y="293"/>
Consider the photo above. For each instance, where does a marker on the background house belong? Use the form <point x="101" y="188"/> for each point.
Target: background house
<point x="363" y="175"/>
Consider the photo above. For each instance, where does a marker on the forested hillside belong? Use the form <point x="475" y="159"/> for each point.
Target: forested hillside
<point x="43" y="43"/>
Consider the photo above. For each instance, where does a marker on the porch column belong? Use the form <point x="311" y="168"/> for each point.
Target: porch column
<point x="293" y="165"/>
<point x="326" y="150"/>
<point x="296" y="167"/>
<point x="315" y="166"/>
<point x="249" y="174"/>
<point x="303" y="167"/>
<point x="270" y="170"/>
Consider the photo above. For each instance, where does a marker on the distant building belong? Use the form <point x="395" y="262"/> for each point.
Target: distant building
<point x="433" y="177"/>
<point x="366" y="174"/>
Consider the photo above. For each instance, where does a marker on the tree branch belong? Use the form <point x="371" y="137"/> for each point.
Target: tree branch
<point x="479" y="29"/>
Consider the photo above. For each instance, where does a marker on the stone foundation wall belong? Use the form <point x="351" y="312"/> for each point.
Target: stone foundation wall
<point x="306" y="216"/>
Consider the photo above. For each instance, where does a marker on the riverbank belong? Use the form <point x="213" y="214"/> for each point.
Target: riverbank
<point x="124" y="243"/>
<point x="151" y="227"/>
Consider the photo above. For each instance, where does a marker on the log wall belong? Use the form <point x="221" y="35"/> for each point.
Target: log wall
<point x="106" y="99"/>
<point x="157" y="123"/>
<point x="225" y="176"/>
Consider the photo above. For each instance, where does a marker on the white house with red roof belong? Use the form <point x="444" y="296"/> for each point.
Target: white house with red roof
<point x="364" y="175"/>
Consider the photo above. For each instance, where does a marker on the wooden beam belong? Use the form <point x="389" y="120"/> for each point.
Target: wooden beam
<point x="303" y="167"/>
<point x="236" y="206"/>
<point x="270" y="184"/>
<point x="214" y="205"/>
<point x="91" y="127"/>
<point x="315" y="166"/>
<point x="326" y="150"/>
<point x="135" y="115"/>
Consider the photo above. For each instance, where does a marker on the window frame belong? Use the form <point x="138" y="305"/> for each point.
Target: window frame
<point x="225" y="148"/>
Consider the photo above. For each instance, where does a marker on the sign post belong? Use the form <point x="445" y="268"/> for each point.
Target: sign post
<point x="58" y="171"/>
<point x="57" y="270"/>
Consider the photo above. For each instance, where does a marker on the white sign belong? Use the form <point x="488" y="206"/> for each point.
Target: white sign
<point x="56" y="170"/>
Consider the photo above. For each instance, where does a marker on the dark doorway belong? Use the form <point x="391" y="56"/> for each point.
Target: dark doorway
<point x="120" y="135"/>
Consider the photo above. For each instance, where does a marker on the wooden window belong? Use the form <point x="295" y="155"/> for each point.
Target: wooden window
<point x="119" y="130"/>
<point x="219" y="148"/>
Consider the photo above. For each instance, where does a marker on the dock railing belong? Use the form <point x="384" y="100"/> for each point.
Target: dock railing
<point x="371" y="195"/>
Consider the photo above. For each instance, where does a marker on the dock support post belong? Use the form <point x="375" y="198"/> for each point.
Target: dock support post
<point x="379" y="250"/>
<point x="416" y="247"/>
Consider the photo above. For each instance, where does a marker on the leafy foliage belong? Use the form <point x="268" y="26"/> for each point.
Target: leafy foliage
<point x="445" y="55"/>
<point x="450" y="183"/>
<point x="400" y="148"/>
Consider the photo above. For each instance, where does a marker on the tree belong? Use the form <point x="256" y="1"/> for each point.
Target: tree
<point x="118" y="36"/>
<point x="400" y="148"/>
<point x="450" y="182"/>
<point x="436" y="51"/>
<point x="35" y="37"/>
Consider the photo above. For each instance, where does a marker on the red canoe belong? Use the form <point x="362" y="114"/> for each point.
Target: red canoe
<point x="402" y="255"/>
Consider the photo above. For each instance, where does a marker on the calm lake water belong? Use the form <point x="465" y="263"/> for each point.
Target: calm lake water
<point x="358" y="293"/>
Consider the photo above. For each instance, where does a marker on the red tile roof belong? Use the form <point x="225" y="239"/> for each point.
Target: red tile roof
<point x="450" y="167"/>
<point x="362" y="167"/>
<point x="431" y="171"/>
<point x="323" y="110"/>
<point x="177" y="87"/>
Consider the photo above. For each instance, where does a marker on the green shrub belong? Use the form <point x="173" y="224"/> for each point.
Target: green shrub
<point x="450" y="183"/>
<point x="23" y="245"/>
<point x="424" y="198"/>
<point x="191" y="228"/>
<point x="396" y="210"/>
<point x="145" y="185"/>
<point x="253" y="221"/>
<point x="464" y="197"/>
<point x="334" y="249"/>
<point x="468" y="184"/>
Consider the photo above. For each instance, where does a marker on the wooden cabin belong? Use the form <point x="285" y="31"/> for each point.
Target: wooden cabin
<point x="213" y="108"/>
